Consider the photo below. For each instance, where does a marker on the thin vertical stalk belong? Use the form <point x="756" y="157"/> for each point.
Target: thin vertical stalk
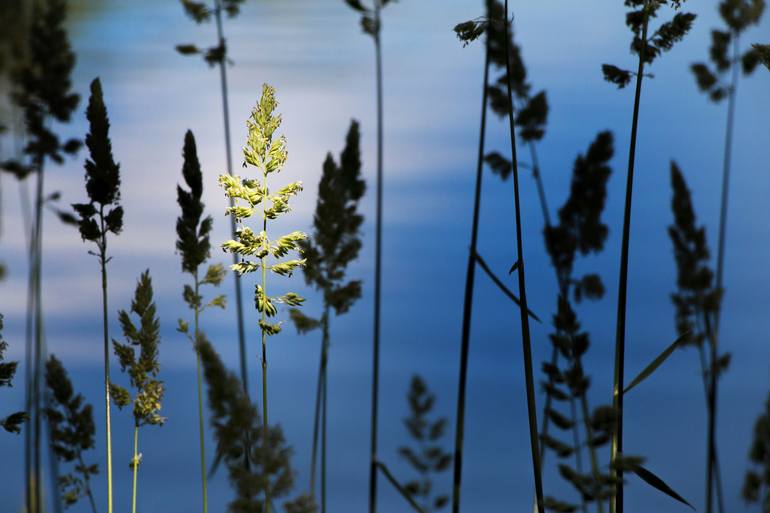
<point x="135" y="468"/>
<point x="226" y="119"/>
<point x="578" y="448"/>
<point x="591" y="452"/>
<point x="30" y="358"/>
<point x="108" y="430"/>
<point x="316" y="422"/>
<point x="89" y="494"/>
<point x="468" y="300"/>
<point x="323" y="445"/>
<point x="616" y="506"/>
<point x="523" y="310"/>
<point x="377" y="272"/>
<point x="38" y="338"/>
<point x="201" y="431"/>
<point x="265" y="428"/>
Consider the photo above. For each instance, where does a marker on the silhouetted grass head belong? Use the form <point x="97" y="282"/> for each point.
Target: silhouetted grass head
<point x="696" y="293"/>
<point x="192" y="228"/>
<point x="237" y="429"/>
<point x="201" y="12"/>
<point x="756" y="484"/>
<point x="738" y="15"/>
<point x="102" y="175"/>
<point x="13" y="422"/>
<point x="72" y="429"/>
<point x="42" y="87"/>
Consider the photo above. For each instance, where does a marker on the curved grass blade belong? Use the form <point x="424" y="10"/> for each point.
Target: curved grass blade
<point x="380" y="465"/>
<point x="657" y="483"/>
<point x="502" y="286"/>
<point x="657" y="362"/>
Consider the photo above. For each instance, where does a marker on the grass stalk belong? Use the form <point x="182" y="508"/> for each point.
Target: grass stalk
<point x="228" y="151"/>
<point x="526" y="341"/>
<point x="135" y="468"/>
<point x="468" y="299"/>
<point x="263" y="316"/>
<point x="616" y="506"/>
<point x="199" y="378"/>
<point x="377" y="271"/>
<point x="105" y="330"/>
<point x="38" y="337"/>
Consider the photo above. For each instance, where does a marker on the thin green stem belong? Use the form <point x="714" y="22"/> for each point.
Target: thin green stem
<point x="265" y="428"/>
<point x="135" y="468"/>
<point x="377" y="271"/>
<point x="228" y="146"/>
<point x="324" y="427"/>
<point x="468" y="299"/>
<point x="523" y="311"/>
<point x="38" y="339"/>
<point x="87" y="479"/>
<point x="616" y="506"/>
<point x="108" y="430"/>
<point x="201" y="431"/>
<point x="316" y="423"/>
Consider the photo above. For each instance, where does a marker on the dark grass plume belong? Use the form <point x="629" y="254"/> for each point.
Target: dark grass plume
<point x="216" y="55"/>
<point x="98" y="218"/>
<point x="238" y="428"/>
<point x="72" y="432"/>
<point x="138" y="358"/>
<point x="756" y="482"/>
<point x="426" y="455"/>
<point x="333" y="245"/>
<point x="719" y="80"/>
<point x="647" y="45"/>
<point x="13" y="422"/>
<point x="193" y="244"/>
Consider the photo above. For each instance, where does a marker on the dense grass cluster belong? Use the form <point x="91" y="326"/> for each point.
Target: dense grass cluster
<point x="583" y="441"/>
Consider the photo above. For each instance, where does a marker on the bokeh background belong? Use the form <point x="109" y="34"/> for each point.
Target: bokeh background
<point x="314" y="53"/>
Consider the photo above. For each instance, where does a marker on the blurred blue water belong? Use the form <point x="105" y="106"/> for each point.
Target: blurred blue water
<point x="314" y="53"/>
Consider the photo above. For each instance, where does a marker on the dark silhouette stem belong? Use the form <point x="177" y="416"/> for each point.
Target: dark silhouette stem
<point x="525" y="335"/>
<point x="106" y="340"/>
<point x="199" y="379"/>
<point x="616" y="506"/>
<point x="38" y="339"/>
<point x="377" y="272"/>
<point x="468" y="300"/>
<point x="226" y="118"/>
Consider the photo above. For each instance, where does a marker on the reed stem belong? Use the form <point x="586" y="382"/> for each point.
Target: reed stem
<point x="468" y="299"/>
<point x="106" y="337"/>
<point x="616" y="506"/>
<point x="199" y="377"/>
<point x="135" y="468"/>
<point x="523" y="310"/>
<point x="377" y="272"/>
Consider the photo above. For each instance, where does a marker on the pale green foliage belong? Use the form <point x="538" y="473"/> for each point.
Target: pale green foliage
<point x="267" y="152"/>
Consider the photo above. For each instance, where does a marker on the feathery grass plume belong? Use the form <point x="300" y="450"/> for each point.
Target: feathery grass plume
<point x="580" y="231"/>
<point x="756" y="483"/>
<point x="99" y="217"/>
<point x="720" y="80"/>
<point x="763" y="54"/>
<point x="41" y="90"/>
<point x="142" y="368"/>
<point x="72" y="433"/>
<point x="427" y="457"/>
<point x="267" y="152"/>
<point x="647" y="46"/>
<point x="217" y="55"/>
<point x="12" y="423"/>
<point x="193" y="244"/>
<point x="371" y="24"/>
<point x="238" y="429"/>
<point x="334" y="244"/>
<point x="697" y="303"/>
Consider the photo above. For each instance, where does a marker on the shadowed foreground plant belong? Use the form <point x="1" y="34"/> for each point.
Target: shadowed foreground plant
<point x="12" y="423"/>
<point x="268" y="154"/>
<point x="41" y="89"/>
<point x="216" y="55"/>
<point x="238" y="429"/>
<point x="647" y="48"/>
<point x="142" y="368"/>
<point x="427" y="457"/>
<point x="763" y="54"/>
<point x="72" y="433"/>
<point x="334" y="244"/>
<point x="100" y="216"/>
<point x="580" y="231"/>
<point x="756" y="483"/>
<point x="697" y="303"/>
<point x="738" y="15"/>
<point x="193" y="244"/>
